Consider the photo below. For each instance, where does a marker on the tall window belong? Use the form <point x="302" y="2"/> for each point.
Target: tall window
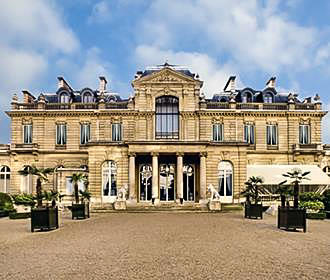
<point x="4" y="179"/>
<point x="64" y="98"/>
<point x="85" y="133"/>
<point x="145" y="182"/>
<point x="27" y="134"/>
<point x="109" y="176"/>
<point x="304" y="134"/>
<point x="225" y="174"/>
<point x="167" y="117"/>
<point x="87" y="98"/>
<point x="61" y="134"/>
<point x="188" y="183"/>
<point x="27" y="181"/>
<point x="116" y="132"/>
<point x="272" y="134"/>
<point x="268" y="98"/>
<point x="249" y="133"/>
<point x="218" y="132"/>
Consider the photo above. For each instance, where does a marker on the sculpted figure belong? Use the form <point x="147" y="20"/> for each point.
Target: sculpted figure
<point x="214" y="193"/>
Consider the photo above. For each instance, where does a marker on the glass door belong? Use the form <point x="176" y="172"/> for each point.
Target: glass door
<point x="166" y="182"/>
<point x="188" y="183"/>
<point x="145" y="182"/>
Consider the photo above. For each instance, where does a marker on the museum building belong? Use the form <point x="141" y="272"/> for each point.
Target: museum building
<point x="167" y="142"/>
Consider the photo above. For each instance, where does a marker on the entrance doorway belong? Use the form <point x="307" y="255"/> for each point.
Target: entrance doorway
<point x="188" y="182"/>
<point x="167" y="182"/>
<point x="145" y="178"/>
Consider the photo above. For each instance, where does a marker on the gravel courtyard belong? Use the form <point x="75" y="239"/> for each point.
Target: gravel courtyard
<point x="165" y="246"/>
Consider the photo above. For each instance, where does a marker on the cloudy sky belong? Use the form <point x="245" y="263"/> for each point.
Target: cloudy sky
<point x="83" y="39"/>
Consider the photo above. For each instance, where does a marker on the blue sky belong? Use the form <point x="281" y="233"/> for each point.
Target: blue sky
<point x="83" y="39"/>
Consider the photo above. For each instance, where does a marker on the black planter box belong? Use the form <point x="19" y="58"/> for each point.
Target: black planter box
<point x="44" y="218"/>
<point x="291" y="218"/>
<point x="253" y="211"/>
<point x="80" y="211"/>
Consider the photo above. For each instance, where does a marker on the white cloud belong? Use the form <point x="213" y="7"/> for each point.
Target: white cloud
<point x="214" y="76"/>
<point x="254" y="34"/>
<point x="100" y="13"/>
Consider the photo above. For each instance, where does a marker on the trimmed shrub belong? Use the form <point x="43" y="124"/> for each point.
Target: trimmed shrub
<point x="24" y="199"/>
<point x="310" y="196"/>
<point x="6" y="204"/>
<point x="326" y="200"/>
<point x="14" y="215"/>
<point x="316" y="216"/>
<point x="311" y="205"/>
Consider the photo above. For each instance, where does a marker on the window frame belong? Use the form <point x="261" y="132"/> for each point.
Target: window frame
<point x="268" y="97"/>
<point x="115" y="136"/>
<point x="29" y="137"/>
<point x="167" y="117"/>
<point x="221" y="135"/>
<point x="85" y="134"/>
<point x="62" y="143"/>
<point x="302" y="134"/>
<point x="269" y="129"/>
<point x="5" y="176"/>
<point x="247" y="137"/>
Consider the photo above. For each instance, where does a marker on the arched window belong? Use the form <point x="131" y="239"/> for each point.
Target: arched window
<point x="109" y="176"/>
<point x="145" y="182"/>
<point x="87" y="98"/>
<point x="167" y="117"/>
<point x="188" y="183"/>
<point x="4" y="179"/>
<point x="27" y="181"/>
<point x="64" y="98"/>
<point x="268" y="98"/>
<point x="225" y="176"/>
<point x="246" y="97"/>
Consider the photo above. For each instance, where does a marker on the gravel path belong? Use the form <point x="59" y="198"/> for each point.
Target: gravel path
<point x="165" y="246"/>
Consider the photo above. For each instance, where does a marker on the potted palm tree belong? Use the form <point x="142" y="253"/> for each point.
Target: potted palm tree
<point x="42" y="217"/>
<point x="253" y="210"/>
<point x="293" y="217"/>
<point x="80" y="210"/>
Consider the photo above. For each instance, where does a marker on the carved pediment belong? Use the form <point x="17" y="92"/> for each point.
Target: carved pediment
<point x="166" y="76"/>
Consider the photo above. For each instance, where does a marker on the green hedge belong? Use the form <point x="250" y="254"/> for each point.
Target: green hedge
<point x="14" y="215"/>
<point x="6" y="204"/>
<point x="24" y="199"/>
<point x="316" y="216"/>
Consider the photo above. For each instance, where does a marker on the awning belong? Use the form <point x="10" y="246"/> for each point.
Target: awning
<point x="272" y="174"/>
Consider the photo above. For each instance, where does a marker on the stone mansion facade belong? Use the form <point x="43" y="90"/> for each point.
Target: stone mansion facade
<point x="165" y="143"/>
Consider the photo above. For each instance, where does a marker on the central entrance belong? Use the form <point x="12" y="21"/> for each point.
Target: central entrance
<point x="167" y="182"/>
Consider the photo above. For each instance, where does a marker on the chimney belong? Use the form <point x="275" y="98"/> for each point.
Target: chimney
<point x="230" y="85"/>
<point x="271" y="82"/>
<point x="103" y="84"/>
<point x="27" y="97"/>
<point x="62" y="83"/>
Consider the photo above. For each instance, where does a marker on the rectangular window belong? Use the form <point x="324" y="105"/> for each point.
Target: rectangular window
<point x="249" y="133"/>
<point x="116" y="132"/>
<point x="61" y="134"/>
<point x="272" y="134"/>
<point x="27" y="134"/>
<point x="85" y="133"/>
<point x="218" y="132"/>
<point x="304" y="134"/>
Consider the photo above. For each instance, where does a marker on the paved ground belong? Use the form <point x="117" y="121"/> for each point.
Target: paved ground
<point x="165" y="246"/>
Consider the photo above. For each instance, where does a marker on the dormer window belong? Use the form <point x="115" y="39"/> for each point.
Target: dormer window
<point x="87" y="98"/>
<point x="246" y="97"/>
<point x="268" y="98"/>
<point x="64" y="98"/>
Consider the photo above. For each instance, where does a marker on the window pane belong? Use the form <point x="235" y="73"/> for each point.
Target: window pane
<point x="252" y="134"/>
<point x="268" y="135"/>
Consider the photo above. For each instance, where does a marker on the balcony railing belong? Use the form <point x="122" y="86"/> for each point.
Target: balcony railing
<point x="217" y="105"/>
<point x="247" y="106"/>
<point x="275" y="106"/>
<point x="27" y="106"/>
<point x="305" y="106"/>
<point x="116" y="105"/>
<point x="71" y="106"/>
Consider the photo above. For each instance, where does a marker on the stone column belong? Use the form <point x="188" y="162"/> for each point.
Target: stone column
<point x="131" y="173"/>
<point x="179" y="177"/>
<point x="202" y="180"/>
<point x="155" y="185"/>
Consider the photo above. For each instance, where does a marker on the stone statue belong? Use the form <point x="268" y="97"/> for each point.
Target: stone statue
<point x="215" y="196"/>
<point x="122" y="192"/>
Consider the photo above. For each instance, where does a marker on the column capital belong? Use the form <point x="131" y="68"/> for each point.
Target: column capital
<point x="132" y="154"/>
<point x="179" y="154"/>
<point x="203" y="154"/>
<point x="155" y="154"/>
